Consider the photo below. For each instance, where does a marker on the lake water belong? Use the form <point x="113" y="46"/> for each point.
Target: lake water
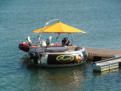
<point x="101" y="19"/>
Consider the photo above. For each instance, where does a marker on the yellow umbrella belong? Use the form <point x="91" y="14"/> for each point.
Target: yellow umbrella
<point x="59" y="27"/>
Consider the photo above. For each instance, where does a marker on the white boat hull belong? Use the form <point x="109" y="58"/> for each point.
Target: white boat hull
<point x="59" y="59"/>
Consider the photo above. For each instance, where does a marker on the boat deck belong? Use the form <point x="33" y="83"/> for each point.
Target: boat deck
<point x="63" y="49"/>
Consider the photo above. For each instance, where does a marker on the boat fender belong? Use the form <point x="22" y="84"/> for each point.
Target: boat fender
<point x="24" y="47"/>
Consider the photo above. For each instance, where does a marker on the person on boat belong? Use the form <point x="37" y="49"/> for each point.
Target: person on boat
<point x="39" y="39"/>
<point x="28" y="40"/>
<point x="44" y="43"/>
<point x="48" y="41"/>
<point x="65" y="41"/>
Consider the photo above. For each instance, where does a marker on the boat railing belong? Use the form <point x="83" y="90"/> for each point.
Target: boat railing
<point x="51" y="21"/>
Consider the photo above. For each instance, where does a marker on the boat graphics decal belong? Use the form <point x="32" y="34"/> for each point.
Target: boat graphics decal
<point x="78" y="58"/>
<point x="64" y="59"/>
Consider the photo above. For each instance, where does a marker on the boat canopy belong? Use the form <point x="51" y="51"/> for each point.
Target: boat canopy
<point x="59" y="28"/>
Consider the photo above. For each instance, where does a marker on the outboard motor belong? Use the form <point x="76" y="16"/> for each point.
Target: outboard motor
<point x="35" y="54"/>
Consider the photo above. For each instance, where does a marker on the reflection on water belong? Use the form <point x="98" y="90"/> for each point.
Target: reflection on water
<point x="56" y="79"/>
<point x="105" y="72"/>
<point x="25" y="60"/>
<point x="78" y="78"/>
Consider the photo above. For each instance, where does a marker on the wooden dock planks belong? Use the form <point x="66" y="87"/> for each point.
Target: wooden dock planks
<point x="102" y="53"/>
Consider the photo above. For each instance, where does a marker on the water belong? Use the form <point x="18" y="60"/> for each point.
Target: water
<point x="99" y="18"/>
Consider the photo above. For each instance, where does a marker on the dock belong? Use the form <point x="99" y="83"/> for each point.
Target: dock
<point x="106" y="65"/>
<point x="96" y="54"/>
<point x="104" y="59"/>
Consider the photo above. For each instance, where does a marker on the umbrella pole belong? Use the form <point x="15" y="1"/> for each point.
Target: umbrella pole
<point x="72" y="38"/>
<point x="57" y="37"/>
